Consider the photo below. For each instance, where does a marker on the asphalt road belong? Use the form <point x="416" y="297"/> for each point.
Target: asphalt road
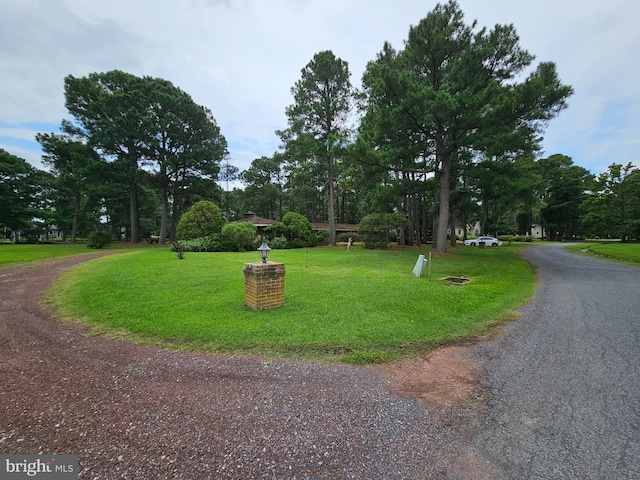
<point x="564" y="380"/>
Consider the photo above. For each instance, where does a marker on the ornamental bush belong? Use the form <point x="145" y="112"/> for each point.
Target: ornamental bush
<point x="296" y="230"/>
<point x="203" y="244"/>
<point x="203" y="219"/>
<point x="238" y="237"/>
<point x="376" y="228"/>
<point x="278" y="243"/>
<point x="299" y="230"/>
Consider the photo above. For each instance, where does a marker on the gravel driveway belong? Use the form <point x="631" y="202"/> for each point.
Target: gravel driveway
<point x="554" y="396"/>
<point x="141" y="412"/>
<point x="565" y="378"/>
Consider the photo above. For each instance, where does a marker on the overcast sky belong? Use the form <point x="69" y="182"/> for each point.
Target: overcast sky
<point x="240" y="58"/>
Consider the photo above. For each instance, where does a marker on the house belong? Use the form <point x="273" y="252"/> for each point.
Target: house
<point x="537" y="231"/>
<point x="473" y="230"/>
<point x="340" y="228"/>
<point x="260" y="222"/>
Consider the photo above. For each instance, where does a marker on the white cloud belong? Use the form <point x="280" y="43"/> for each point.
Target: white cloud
<point x="240" y="58"/>
<point x="31" y="156"/>
<point x="19" y="133"/>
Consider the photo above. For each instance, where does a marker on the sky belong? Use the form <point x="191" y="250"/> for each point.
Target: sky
<point x="240" y="59"/>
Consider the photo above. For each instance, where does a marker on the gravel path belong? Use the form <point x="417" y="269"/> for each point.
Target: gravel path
<point x="556" y="395"/>
<point x="565" y="378"/>
<point x="141" y="412"/>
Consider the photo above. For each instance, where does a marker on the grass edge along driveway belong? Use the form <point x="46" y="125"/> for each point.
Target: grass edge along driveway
<point x="360" y="307"/>
<point x="628" y="253"/>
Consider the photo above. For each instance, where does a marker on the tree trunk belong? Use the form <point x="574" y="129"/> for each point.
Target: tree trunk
<point x="134" y="208"/>
<point x="164" y="194"/>
<point x="415" y="220"/>
<point x="443" y="197"/>
<point x="424" y="220"/>
<point x="178" y="201"/>
<point x="485" y="216"/>
<point x="174" y="220"/>
<point x="401" y="233"/>
<point x="164" y="216"/>
<point x="452" y="227"/>
<point x="332" y="216"/>
<point x="134" y="212"/>
<point x="76" y="215"/>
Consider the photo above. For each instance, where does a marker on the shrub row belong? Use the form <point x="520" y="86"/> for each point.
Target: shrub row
<point x="515" y="238"/>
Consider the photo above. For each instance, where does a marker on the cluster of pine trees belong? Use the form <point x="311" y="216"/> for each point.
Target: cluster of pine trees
<point x="445" y="131"/>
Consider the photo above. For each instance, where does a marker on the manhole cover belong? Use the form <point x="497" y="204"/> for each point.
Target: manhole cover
<point x="457" y="280"/>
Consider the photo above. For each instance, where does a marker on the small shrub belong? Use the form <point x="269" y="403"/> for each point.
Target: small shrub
<point x="278" y="243"/>
<point x="299" y="230"/>
<point x="378" y="227"/>
<point x="98" y="239"/>
<point x="523" y="238"/>
<point x="178" y="248"/>
<point x="507" y="239"/>
<point x="275" y="230"/>
<point x="344" y="237"/>
<point x="238" y="237"/>
<point x="296" y="229"/>
<point x="376" y="240"/>
<point x="204" y="244"/>
<point x="323" y="236"/>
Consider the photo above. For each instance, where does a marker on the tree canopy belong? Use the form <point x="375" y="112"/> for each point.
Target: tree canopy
<point x="319" y="122"/>
<point x="446" y="135"/>
<point x="453" y="89"/>
<point x="17" y="192"/>
<point x="149" y="122"/>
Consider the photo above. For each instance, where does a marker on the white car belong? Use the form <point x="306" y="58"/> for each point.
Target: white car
<point x="488" y="241"/>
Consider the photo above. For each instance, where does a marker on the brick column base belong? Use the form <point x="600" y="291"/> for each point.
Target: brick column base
<point x="263" y="285"/>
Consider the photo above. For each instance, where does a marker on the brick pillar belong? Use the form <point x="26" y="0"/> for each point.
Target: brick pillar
<point x="263" y="285"/>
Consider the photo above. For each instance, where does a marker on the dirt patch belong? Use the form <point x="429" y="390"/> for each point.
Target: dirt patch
<point x="448" y="376"/>
<point x="457" y="280"/>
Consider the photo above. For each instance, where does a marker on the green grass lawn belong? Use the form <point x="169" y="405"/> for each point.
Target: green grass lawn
<point x="624" y="252"/>
<point x="363" y="306"/>
<point x="22" y="253"/>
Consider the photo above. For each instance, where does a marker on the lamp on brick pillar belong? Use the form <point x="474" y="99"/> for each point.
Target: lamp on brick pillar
<point x="264" y="250"/>
<point x="264" y="282"/>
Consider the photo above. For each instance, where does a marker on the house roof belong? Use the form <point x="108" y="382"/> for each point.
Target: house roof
<point x="257" y="221"/>
<point x="340" y="227"/>
<point x="263" y="222"/>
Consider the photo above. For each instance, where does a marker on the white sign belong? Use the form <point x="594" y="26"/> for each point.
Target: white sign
<point x="417" y="270"/>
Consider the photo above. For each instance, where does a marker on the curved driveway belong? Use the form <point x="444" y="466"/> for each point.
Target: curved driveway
<point x="564" y="385"/>
<point x="565" y="378"/>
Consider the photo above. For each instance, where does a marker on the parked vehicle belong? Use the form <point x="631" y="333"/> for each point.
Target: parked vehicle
<point x="488" y="241"/>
